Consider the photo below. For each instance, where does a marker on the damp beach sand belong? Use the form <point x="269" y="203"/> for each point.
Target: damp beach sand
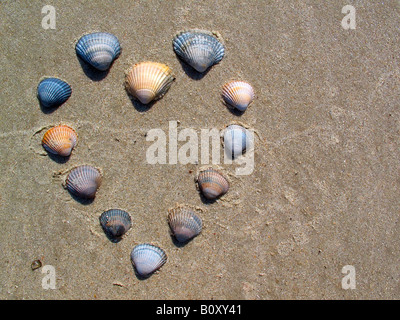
<point x="324" y="193"/>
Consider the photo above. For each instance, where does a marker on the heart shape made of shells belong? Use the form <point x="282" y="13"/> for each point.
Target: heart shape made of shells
<point x="146" y="82"/>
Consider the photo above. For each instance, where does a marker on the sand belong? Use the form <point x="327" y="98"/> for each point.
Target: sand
<point x="324" y="193"/>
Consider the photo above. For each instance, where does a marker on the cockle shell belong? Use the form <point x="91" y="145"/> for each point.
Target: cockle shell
<point x="115" y="223"/>
<point x="237" y="140"/>
<point x="148" y="81"/>
<point x="60" y="140"/>
<point x="238" y="94"/>
<point x="184" y="224"/>
<point x="53" y="92"/>
<point x="212" y="183"/>
<point x="99" y="49"/>
<point x="147" y="258"/>
<point x="83" y="181"/>
<point x="200" y="49"/>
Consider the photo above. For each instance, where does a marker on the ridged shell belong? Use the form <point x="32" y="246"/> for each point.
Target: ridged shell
<point x="184" y="224"/>
<point x="239" y="94"/>
<point x="147" y="258"/>
<point x="60" y="140"/>
<point x="115" y="223"/>
<point x="83" y="181"/>
<point x="99" y="49"/>
<point x="212" y="184"/>
<point x="148" y="81"/>
<point x="53" y="92"/>
<point x="200" y="49"/>
<point x="236" y="140"/>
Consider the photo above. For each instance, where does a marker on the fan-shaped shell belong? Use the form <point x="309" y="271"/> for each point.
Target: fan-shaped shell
<point x="148" y="81"/>
<point x="200" y="49"/>
<point x="212" y="184"/>
<point x="147" y="258"/>
<point x="184" y="224"/>
<point x="99" y="49"/>
<point x="239" y="94"/>
<point x="83" y="181"/>
<point x="115" y="223"/>
<point x="53" y="92"/>
<point x="237" y="140"/>
<point x="60" y="140"/>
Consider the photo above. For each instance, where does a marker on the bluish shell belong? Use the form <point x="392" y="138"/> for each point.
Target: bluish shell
<point x="83" y="181"/>
<point x="184" y="224"/>
<point x="147" y="258"/>
<point x="115" y="223"/>
<point x="98" y="49"/>
<point x="212" y="184"/>
<point x="53" y="92"/>
<point x="236" y="140"/>
<point x="200" y="49"/>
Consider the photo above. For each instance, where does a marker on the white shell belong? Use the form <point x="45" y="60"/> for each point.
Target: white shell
<point x="237" y="140"/>
<point x="238" y="94"/>
<point x="147" y="258"/>
<point x="83" y="181"/>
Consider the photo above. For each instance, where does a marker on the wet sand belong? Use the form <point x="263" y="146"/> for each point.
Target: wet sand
<point x="325" y="188"/>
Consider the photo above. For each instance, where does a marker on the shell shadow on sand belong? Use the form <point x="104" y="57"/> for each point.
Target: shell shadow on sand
<point x="92" y="73"/>
<point x="233" y="110"/>
<point x="47" y="110"/>
<point x="57" y="158"/>
<point x="140" y="107"/>
<point x="84" y="201"/>
<point x="207" y="201"/>
<point x="139" y="276"/>
<point x="191" y="72"/>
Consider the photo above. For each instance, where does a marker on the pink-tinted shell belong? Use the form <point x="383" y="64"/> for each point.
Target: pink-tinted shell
<point x="184" y="224"/>
<point x="83" y="181"/>
<point x="212" y="183"/>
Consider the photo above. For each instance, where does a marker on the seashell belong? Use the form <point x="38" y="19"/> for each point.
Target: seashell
<point x="147" y="258"/>
<point x="60" y="140"/>
<point x="36" y="264"/>
<point x="99" y="49"/>
<point x="184" y="224"/>
<point x="83" y="181"/>
<point x="53" y="92"/>
<point x="236" y="140"/>
<point x="200" y="49"/>
<point x="239" y="94"/>
<point x="148" y="81"/>
<point x="212" y="184"/>
<point x="115" y="223"/>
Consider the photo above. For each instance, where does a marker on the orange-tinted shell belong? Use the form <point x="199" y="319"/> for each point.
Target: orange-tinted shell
<point x="212" y="184"/>
<point x="184" y="224"/>
<point x="60" y="140"/>
<point x="238" y="94"/>
<point x="148" y="81"/>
